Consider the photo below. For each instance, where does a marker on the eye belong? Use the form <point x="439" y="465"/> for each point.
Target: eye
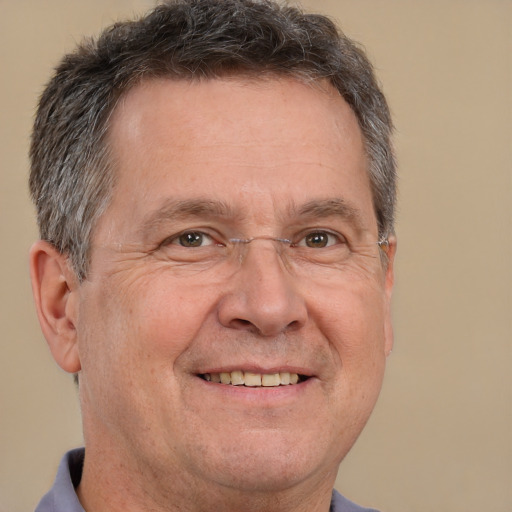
<point x="319" y="240"/>
<point x="191" y="239"/>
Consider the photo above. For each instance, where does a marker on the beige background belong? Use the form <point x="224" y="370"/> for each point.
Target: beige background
<point x="440" y="438"/>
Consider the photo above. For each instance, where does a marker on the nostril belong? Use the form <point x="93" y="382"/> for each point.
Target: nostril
<point x="240" y="323"/>
<point x="246" y="325"/>
<point x="292" y="326"/>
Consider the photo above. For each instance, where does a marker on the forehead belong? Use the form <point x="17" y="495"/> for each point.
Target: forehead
<point x="193" y="113"/>
<point x="260" y="143"/>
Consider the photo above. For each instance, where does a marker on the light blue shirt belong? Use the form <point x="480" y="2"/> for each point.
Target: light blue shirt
<point x="62" y="496"/>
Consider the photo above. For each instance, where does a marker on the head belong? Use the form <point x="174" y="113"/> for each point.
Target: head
<point x="212" y="181"/>
<point x="71" y="173"/>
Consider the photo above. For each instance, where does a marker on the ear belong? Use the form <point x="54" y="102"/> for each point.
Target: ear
<point x="55" y="288"/>
<point x="388" y="288"/>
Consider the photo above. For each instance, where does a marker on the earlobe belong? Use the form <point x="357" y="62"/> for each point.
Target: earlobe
<point x="55" y="289"/>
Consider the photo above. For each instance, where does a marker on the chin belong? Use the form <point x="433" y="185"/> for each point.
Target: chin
<point x="269" y="462"/>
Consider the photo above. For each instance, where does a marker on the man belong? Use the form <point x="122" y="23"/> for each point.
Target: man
<point x="215" y="189"/>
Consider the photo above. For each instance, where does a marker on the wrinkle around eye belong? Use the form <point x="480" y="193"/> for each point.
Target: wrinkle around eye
<point x="109" y="261"/>
<point x="136" y="269"/>
<point x="118" y="258"/>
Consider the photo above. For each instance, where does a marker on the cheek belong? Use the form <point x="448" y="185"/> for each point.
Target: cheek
<point x="133" y="327"/>
<point x="352" y="322"/>
<point x="156" y="321"/>
<point x="168" y="316"/>
<point x="352" y="318"/>
<point x="130" y="338"/>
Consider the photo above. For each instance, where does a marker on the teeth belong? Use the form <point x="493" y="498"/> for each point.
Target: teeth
<point x="285" y="378"/>
<point x="225" y="378"/>
<point x="239" y="378"/>
<point x="252" y="379"/>
<point x="270" y="380"/>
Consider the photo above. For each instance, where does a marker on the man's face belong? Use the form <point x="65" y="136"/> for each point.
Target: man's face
<point x="159" y="315"/>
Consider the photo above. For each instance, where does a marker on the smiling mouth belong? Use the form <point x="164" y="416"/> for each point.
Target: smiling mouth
<point x="254" y="380"/>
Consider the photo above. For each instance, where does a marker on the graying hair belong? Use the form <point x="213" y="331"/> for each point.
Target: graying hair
<point x="72" y="178"/>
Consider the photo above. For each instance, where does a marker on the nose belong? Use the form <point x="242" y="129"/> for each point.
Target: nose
<point x="262" y="296"/>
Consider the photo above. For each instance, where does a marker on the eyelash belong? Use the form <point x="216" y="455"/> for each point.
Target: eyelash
<point x="175" y="238"/>
<point x="338" y="239"/>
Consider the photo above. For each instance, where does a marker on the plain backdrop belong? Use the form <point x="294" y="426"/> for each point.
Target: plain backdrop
<point x="440" y="437"/>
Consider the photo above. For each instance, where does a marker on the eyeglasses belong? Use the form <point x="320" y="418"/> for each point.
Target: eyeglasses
<point x="312" y="252"/>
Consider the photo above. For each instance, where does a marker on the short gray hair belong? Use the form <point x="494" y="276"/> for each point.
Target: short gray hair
<point x="72" y="178"/>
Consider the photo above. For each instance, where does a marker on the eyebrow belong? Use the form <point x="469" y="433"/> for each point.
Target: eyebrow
<point x="182" y="209"/>
<point x="333" y="207"/>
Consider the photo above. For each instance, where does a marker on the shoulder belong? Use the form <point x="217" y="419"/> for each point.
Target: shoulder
<point x="340" y="504"/>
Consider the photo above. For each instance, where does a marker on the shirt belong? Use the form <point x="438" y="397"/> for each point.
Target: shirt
<point x="62" y="496"/>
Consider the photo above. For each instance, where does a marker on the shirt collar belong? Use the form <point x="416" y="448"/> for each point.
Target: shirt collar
<point x="62" y="496"/>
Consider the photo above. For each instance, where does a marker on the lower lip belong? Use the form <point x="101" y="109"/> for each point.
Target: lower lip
<point x="259" y="395"/>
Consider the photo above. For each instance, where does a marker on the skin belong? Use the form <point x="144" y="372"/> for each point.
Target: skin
<point x="144" y="323"/>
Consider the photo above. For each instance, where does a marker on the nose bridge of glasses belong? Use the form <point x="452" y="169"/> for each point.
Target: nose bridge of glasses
<point x="247" y="241"/>
<point x="281" y="244"/>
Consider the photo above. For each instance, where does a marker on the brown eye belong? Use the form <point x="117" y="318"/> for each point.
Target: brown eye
<point x="191" y="239"/>
<point x="317" y="240"/>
